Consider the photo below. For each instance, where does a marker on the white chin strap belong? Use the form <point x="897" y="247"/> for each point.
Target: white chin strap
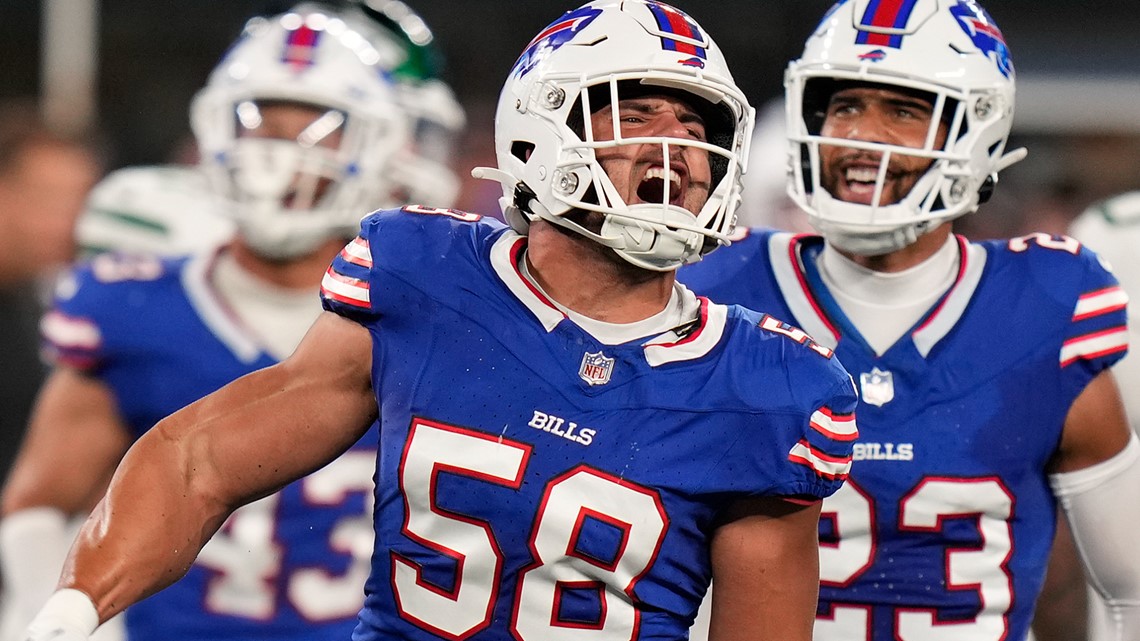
<point x="269" y="236"/>
<point x="657" y="246"/>
<point x="835" y="220"/>
<point x="649" y="243"/>
<point x="876" y="243"/>
<point x="654" y="244"/>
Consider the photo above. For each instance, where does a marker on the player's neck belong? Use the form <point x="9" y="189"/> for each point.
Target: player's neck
<point x="300" y="273"/>
<point x="914" y="254"/>
<point x="591" y="279"/>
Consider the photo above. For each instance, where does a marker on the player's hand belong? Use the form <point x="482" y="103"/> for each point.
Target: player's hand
<point x="69" y="615"/>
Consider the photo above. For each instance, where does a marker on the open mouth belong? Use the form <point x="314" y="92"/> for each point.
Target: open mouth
<point x="859" y="183"/>
<point x="652" y="187"/>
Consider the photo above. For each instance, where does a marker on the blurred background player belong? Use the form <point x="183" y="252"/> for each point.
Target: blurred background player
<point x="147" y="209"/>
<point x="44" y="178"/>
<point x="1112" y="229"/>
<point x="299" y="128"/>
<point x="983" y="368"/>
<point x="45" y="175"/>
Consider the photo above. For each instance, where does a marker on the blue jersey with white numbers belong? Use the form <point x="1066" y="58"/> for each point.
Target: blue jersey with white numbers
<point x="534" y="483"/>
<point x="944" y="526"/>
<point x="289" y="567"/>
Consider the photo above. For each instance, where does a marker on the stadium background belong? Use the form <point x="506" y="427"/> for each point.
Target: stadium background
<point x="1078" y="78"/>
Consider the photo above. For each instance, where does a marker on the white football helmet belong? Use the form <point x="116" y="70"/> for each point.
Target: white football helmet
<point x="950" y="50"/>
<point x="587" y="59"/>
<point x="289" y="196"/>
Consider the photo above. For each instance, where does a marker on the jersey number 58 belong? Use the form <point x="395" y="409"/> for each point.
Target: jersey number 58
<point x="582" y="493"/>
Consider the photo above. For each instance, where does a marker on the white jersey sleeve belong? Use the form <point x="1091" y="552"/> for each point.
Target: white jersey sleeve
<point x="166" y="210"/>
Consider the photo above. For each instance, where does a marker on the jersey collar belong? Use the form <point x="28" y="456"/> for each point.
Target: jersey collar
<point x="815" y="312"/>
<point x="691" y="341"/>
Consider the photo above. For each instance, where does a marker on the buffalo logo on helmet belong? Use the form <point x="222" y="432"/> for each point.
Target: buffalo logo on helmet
<point x="984" y="33"/>
<point x="873" y="56"/>
<point x="555" y="35"/>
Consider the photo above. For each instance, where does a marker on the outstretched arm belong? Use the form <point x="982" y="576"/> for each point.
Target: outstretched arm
<point x="180" y="481"/>
<point x="765" y="563"/>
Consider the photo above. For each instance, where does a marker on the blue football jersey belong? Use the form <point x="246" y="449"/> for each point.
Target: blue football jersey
<point x="945" y="524"/>
<point x="535" y="483"/>
<point x="289" y="567"/>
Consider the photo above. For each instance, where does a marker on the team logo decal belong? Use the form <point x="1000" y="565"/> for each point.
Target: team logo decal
<point x="884" y="14"/>
<point x="560" y="32"/>
<point x="984" y="33"/>
<point x="878" y="387"/>
<point x="873" y="56"/>
<point x="596" y="368"/>
<point x="674" y="22"/>
<point x="300" y="47"/>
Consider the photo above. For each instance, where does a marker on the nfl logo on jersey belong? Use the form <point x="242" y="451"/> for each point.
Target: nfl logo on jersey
<point x="878" y="387"/>
<point x="596" y="368"/>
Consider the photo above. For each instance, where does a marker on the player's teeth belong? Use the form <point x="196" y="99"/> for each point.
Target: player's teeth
<point x="861" y="174"/>
<point x="660" y="172"/>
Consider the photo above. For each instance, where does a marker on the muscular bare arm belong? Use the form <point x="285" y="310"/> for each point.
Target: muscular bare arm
<point x="765" y="563"/>
<point x="178" y="483"/>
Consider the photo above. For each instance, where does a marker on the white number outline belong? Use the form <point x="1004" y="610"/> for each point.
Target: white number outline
<point x="550" y="530"/>
<point x="1059" y="243"/>
<point x="264" y="553"/>
<point x="411" y="491"/>
<point x="457" y="214"/>
<point x="921" y="624"/>
<point x="621" y="560"/>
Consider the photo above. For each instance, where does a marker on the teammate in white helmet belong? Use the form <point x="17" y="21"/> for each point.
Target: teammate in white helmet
<point x="982" y="367"/>
<point x="171" y="210"/>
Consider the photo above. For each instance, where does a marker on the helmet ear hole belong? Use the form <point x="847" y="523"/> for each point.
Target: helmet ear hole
<point x="522" y="150"/>
<point x="986" y="191"/>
